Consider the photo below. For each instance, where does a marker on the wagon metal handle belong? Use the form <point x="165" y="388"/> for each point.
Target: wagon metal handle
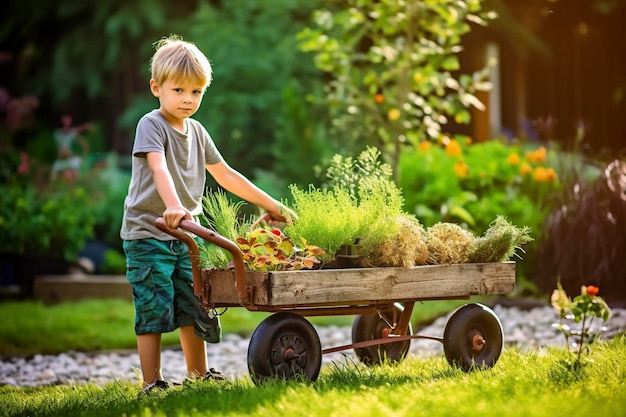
<point x="216" y="239"/>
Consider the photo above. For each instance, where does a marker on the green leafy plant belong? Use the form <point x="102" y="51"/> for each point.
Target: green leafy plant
<point x="264" y="248"/>
<point x="269" y="249"/>
<point x="582" y="309"/>
<point x="40" y="217"/>
<point x="458" y="181"/>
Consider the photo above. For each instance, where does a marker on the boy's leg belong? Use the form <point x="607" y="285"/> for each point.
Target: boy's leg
<point x="196" y="325"/>
<point x="150" y="265"/>
<point x="194" y="350"/>
<point x="149" y="349"/>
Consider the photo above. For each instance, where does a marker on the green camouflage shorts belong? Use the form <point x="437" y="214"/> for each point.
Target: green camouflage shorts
<point x="160" y="275"/>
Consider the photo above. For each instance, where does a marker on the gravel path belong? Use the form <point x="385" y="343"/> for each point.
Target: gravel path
<point x="524" y="328"/>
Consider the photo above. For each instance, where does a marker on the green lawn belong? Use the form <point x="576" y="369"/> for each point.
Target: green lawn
<point x="521" y="384"/>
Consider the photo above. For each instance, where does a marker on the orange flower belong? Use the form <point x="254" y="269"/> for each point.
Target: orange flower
<point x="424" y="146"/>
<point x="542" y="174"/>
<point x="513" y="158"/>
<point x="592" y="290"/>
<point x="538" y="155"/>
<point x="525" y="168"/>
<point x="378" y="98"/>
<point x="453" y="148"/>
<point x="460" y="169"/>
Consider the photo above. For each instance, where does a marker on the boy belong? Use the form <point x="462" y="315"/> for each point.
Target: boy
<point x="170" y="155"/>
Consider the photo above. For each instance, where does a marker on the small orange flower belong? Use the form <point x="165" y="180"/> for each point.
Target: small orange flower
<point x="379" y="98"/>
<point x="460" y="169"/>
<point x="540" y="174"/>
<point x="453" y="148"/>
<point x="513" y="158"/>
<point x="592" y="290"/>
<point x="424" y="146"/>
<point x="525" y="168"/>
<point x="538" y="155"/>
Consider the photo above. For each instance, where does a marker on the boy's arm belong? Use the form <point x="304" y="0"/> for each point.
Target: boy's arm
<point x="239" y="185"/>
<point x="174" y="210"/>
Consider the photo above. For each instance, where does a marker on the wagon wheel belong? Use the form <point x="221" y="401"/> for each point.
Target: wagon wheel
<point x="473" y="337"/>
<point x="373" y="326"/>
<point x="284" y="345"/>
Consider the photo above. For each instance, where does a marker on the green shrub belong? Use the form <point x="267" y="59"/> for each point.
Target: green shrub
<point x="56" y="221"/>
<point x="471" y="184"/>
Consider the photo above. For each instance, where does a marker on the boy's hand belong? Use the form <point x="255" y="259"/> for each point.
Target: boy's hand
<point x="173" y="216"/>
<point x="282" y="214"/>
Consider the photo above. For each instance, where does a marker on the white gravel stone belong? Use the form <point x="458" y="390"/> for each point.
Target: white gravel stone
<point x="524" y="329"/>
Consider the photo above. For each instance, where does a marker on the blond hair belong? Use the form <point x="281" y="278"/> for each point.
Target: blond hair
<point x="179" y="60"/>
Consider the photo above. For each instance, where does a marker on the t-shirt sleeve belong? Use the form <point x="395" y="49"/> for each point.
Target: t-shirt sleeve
<point x="148" y="138"/>
<point x="211" y="154"/>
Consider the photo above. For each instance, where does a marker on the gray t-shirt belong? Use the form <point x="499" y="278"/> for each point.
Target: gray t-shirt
<point x="186" y="155"/>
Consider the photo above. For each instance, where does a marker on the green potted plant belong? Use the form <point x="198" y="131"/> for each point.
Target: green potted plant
<point x="264" y="248"/>
<point x="358" y="206"/>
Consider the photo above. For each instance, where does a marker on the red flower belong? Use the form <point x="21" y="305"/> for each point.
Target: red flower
<point x="592" y="290"/>
<point x="23" y="168"/>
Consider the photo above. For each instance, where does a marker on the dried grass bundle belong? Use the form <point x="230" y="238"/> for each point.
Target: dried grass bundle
<point x="448" y="243"/>
<point x="499" y="242"/>
<point x="406" y="248"/>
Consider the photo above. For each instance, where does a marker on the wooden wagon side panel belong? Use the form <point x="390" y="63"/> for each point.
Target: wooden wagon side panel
<point x="363" y="285"/>
<point x="220" y="288"/>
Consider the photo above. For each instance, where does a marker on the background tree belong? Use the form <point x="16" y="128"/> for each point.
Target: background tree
<point x="393" y="69"/>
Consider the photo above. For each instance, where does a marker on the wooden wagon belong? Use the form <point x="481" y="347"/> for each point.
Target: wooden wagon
<point x="286" y="345"/>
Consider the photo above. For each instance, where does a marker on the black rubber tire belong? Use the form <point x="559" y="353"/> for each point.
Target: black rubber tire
<point x="284" y="345"/>
<point x="369" y="327"/>
<point x="462" y="337"/>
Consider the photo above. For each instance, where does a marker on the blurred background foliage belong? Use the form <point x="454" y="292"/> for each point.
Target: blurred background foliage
<point x="295" y="82"/>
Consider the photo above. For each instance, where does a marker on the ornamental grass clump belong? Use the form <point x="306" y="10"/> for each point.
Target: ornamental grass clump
<point x="223" y="216"/>
<point x="500" y="242"/>
<point x="405" y="247"/>
<point x="448" y="243"/>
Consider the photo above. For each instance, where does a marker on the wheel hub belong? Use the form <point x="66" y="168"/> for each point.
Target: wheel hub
<point x="478" y="342"/>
